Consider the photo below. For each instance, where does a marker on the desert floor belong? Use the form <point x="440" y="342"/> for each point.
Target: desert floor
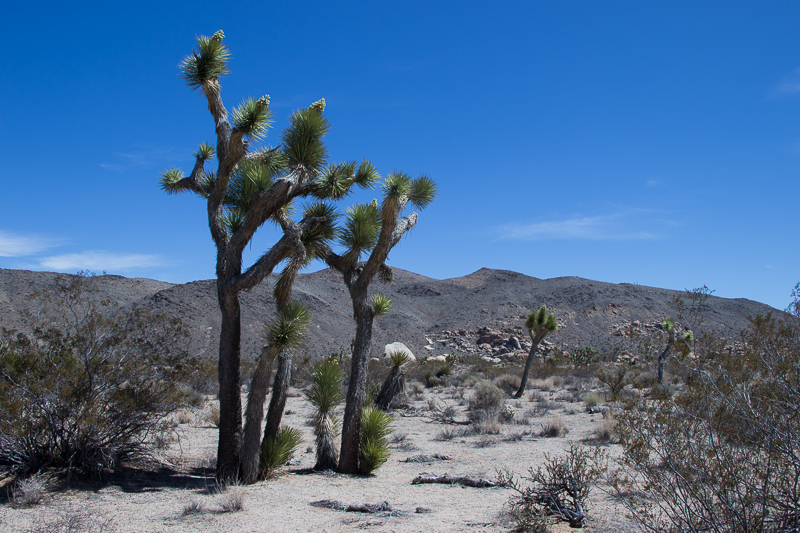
<point x="181" y="496"/>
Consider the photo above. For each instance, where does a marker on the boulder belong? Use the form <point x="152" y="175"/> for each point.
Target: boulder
<point x="396" y="347"/>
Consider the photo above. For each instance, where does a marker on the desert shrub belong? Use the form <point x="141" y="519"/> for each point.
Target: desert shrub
<point x="86" y="389"/>
<point x="509" y="383"/>
<point x="592" y="399"/>
<point x="79" y="520"/>
<point x="583" y="356"/>
<point x="211" y="414"/>
<point x="553" y="428"/>
<point x="615" y="377"/>
<point x="487" y="396"/>
<point x="374" y="446"/>
<point x="722" y="453"/>
<point x="277" y="451"/>
<point x="558" y="489"/>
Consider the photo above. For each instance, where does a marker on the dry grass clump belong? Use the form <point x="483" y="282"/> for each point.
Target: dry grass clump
<point x="195" y="506"/>
<point x="211" y="414"/>
<point x="509" y="383"/>
<point x="553" y="428"/>
<point x="592" y="399"/>
<point x="31" y="491"/>
<point x="231" y="498"/>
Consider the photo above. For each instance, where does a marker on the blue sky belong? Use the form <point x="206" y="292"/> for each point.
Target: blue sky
<point x="655" y="143"/>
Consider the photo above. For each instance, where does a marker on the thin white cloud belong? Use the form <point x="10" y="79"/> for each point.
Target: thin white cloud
<point x="790" y="85"/>
<point x="12" y="245"/>
<point x="101" y="261"/>
<point x="142" y="159"/>
<point x="653" y="183"/>
<point x="620" y="227"/>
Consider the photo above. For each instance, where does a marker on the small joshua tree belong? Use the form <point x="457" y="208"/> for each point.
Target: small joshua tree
<point x="683" y="345"/>
<point x="325" y="394"/>
<point x="539" y="324"/>
<point x="284" y="332"/>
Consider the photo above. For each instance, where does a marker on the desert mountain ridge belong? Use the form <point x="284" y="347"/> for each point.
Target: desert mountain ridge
<point x="476" y="313"/>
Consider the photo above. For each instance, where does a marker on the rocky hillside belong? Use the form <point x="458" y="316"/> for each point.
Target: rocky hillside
<point x="477" y="313"/>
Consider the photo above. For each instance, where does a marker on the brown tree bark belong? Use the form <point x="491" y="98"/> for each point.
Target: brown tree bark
<point x="524" y="381"/>
<point x="277" y="403"/>
<point x="255" y="414"/>
<point x="356" y="388"/>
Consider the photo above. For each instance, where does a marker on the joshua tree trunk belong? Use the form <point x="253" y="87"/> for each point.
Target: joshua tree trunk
<point x="524" y="382"/>
<point x="394" y="383"/>
<point x="351" y="424"/>
<point x="255" y="414"/>
<point x="277" y="403"/>
<point x="661" y="358"/>
<point x="230" y="401"/>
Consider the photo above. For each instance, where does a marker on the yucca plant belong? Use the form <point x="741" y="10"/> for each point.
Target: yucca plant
<point x="278" y="450"/>
<point x="539" y="324"/>
<point x="325" y="394"/>
<point x="369" y="233"/>
<point x="374" y="446"/>
<point x="395" y="381"/>
<point x="250" y="186"/>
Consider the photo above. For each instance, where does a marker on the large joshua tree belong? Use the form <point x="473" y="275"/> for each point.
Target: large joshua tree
<point x="371" y="231"/>
<point x="539" y="324"/>
<point x="248" y="188"/>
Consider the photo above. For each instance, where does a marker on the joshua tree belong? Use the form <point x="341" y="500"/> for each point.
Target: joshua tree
<point x="247" y="189"/>
<point x="539" y="324"/>
<point x="325" y="394"/>
<point x="374" y="231"/>
<point x="684" y="345"/>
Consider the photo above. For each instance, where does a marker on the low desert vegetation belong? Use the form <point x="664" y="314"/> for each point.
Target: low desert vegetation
<point x="87" y="390"/>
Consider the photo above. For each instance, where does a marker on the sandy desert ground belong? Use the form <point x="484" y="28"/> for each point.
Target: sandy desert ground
<point x="182" y="496"/>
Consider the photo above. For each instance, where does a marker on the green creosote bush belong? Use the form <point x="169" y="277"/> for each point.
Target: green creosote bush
<point x="85" y="389"/>
<point x="276" y="452"/>
<point x="374" y="445"/>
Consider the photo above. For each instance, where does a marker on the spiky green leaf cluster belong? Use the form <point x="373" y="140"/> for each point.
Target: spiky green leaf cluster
<point x="337" y="181"/>
<point x="541" y="322"/>
<point x="302" y="140"/>
<point x="381" y="304"/>
<point x="206" y="63"/>
<point x="253" y="117"/>
<point x="399" y="357"/>
<point x="317" y="241"/>
<point x="668" y="324"/>
<point x="204" y="152"/>
<point x="373" y="446"/>
<point x="289" y="326"/>
<point x="170" y="179"/>
<point x="207" y="183"/>
<point x="396" y="186"/>
<point x="249" y="178"/>
<point x="325" y="392"/>
<point x="422" y="192"/>
<point x="361" y="228"/>
<point x="276" y="452"/>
